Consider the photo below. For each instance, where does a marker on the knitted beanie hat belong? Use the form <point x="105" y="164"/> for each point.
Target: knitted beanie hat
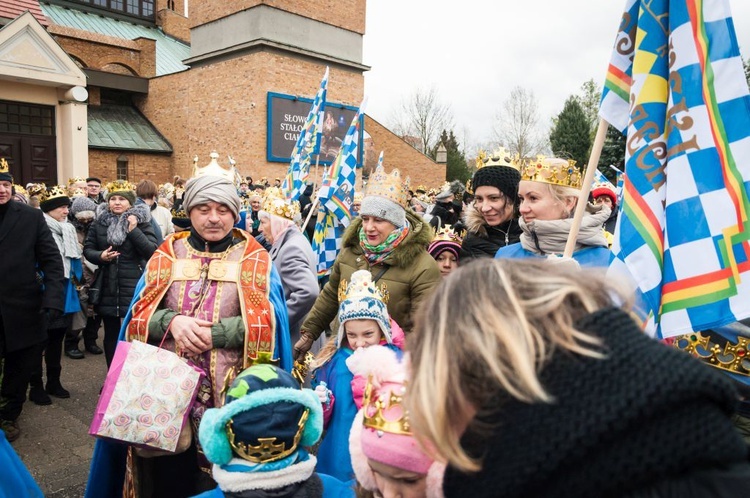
<point x="503" y="177"/>
<point x="363" y="301"/>
<point x="380" y="207"/>
<point x="128" y="194"/>
<point x="264" y="403"/>
<point x="83" y="207"/>
<point x="51" y="203"/>
<point x="437" y="247"/>
<point x="600" y="190"/>
<point x="380" y="429"/>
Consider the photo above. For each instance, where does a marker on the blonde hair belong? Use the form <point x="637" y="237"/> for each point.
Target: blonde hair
<point x="492" y="325"/>
<point x="563" y="194"/>
<point x="325" y="354"/>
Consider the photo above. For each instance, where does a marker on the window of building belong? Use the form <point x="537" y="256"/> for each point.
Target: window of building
<point x="122" y="168"/>
<point x="28" y="119"/>
<point x="137" y="8"/>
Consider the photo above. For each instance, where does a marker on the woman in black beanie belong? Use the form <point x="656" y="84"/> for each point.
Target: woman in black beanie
<point x="491" y="222"/>
<point x="536" y="382"/>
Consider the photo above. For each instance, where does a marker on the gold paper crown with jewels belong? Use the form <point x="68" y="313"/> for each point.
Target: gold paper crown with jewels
<point x="268" y="450"/>
<point x="20" y="190"/>
<point x="75" y="179"/>
<point x="212" y="168"/>
<point x="375" y="412"/>
<point x="36" y="189"/>
<point x="499" y="157"/>
<point x="4" y="168"/>
<point x="54" y="192"/>
<point x="554" y="171"/>
<point x="448" y="233"/>
<point x="180" y="214"/>
<point x="119" y="186"/>
<point x="389" y="186"/>
<point x="733" y="358"/>
<point x="274" y="203"/>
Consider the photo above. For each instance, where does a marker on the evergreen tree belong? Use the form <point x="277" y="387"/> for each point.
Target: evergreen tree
<point x="570" y="138"/>
<point x="613" y="152"/>
<point x="457" y="167"/>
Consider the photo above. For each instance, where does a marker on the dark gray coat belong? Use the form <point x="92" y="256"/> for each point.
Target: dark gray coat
<point x="122" y="274"/>
<point x="26" y="245"/>
<point x="293" y="258"/>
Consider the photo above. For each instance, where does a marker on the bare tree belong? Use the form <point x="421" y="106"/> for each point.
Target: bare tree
<point x="423" y="116"/>
<point x="517" y="124"/>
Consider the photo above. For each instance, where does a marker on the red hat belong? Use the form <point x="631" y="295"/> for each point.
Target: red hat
<point x="600" y="189"/>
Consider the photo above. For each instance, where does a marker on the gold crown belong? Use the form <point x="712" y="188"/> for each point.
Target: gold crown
<point x="420" y="188"/>
<point x="302" y="368"/>
<point x="733" y="358"/>
<point x="180" y="214"/>
<point x="268" y="450"/>
<point x="36" y="189"/>
<point x="78" y="192"/>
<point x="388" y="186"/>
<point x="75" y="179"/>
<point x="499" y="157"/>
<point x="4" y="166"/>
<point x="53" y="193"/>
<point x="561" y="172"/>
<point x="375" y="411"/>
<point x="20" y="190"/>
<point x="361" y="285"/>
<point x="119" y="186"/>
<point x="274" y="203"/>
<point x="448" y="233"/>
<point x="212" y="168"/>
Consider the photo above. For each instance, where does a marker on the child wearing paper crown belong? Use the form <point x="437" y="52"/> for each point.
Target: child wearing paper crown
<point x="386" y="457"/>
<point x="363" y="322"/>
<point x="256" y="441"/>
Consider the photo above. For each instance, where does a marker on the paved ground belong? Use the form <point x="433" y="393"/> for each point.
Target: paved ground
<point x="54" y="442"/>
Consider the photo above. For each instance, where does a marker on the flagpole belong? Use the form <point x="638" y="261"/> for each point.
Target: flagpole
<point x="588" y="178"/>
<point x="317" y="196"/>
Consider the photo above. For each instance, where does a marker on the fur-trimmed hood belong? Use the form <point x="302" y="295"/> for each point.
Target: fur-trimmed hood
<point x="474" y="222"/>
<point x="117" y="226"/>
<point x="420" y="236"/>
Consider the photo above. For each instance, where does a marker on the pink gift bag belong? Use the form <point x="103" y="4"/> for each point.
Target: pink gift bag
<point x="146" y="397"/>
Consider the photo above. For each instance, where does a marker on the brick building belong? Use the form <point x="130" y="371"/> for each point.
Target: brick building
<point x="136" y="88"/>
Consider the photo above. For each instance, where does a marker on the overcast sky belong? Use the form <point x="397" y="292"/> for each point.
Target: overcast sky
<point x="475" y="51"/>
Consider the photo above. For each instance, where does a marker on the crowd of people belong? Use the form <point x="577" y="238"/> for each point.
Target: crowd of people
<point x="448" y="353"/>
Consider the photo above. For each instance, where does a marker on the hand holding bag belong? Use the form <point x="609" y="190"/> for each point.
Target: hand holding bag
<point x="146" y="398"/>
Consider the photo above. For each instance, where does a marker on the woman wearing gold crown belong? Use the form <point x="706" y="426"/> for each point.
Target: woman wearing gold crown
<point x="548" y="193"/>
<point x="292" y="256"/>
<point x="120" y="242"/>
<point x="391" y="242"/>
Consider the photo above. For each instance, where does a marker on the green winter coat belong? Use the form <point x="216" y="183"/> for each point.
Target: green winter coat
<point x="411" y="274"/>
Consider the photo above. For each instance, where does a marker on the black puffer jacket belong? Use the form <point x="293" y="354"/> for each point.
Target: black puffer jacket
<point x="122" y="274"/>
<point x="482" y="240"/>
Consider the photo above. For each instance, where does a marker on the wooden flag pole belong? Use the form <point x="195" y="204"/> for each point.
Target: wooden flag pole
<point x="583" y="197"/>
<point x="314" y="206"/>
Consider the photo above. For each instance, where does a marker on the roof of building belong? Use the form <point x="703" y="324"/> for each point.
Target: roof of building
<point x="169" y="52"/>
<point x="122" y="127"/>
<point x="10" y="9"/>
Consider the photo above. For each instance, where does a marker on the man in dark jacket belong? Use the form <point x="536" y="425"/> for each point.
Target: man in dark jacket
<point x="31" y="276"/>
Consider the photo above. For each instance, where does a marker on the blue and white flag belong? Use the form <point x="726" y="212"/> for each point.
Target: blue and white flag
<point x="308" y="143"/>
<point x="336" y="196"/>
<point x="676" y="85"/>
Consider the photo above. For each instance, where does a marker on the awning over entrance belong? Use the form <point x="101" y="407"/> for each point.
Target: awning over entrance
<point x="117" y="127"/>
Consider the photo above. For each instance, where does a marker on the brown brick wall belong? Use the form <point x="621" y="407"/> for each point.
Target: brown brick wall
<point x="398" y="154"/>
<point x="347" y="14"/>
<point x="103" y="164"/>
<point x="174" y="23"/>
<point x="101" y="52"/>
<point x="211" y="107"/>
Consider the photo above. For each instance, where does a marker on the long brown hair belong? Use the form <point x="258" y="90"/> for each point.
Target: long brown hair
<point x="492" y="325"/>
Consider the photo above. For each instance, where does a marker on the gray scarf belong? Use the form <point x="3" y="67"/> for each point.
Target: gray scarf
<point x="117" y="225"/>
<point x="66" y="239"/>
<point x="552" y="235"/>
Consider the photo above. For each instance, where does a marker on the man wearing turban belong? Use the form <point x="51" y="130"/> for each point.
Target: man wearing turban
<point x="214" y="292"/>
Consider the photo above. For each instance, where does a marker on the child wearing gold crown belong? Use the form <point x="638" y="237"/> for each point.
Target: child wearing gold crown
<point x="363" y="322"/>
<point x="548" y="194"/>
